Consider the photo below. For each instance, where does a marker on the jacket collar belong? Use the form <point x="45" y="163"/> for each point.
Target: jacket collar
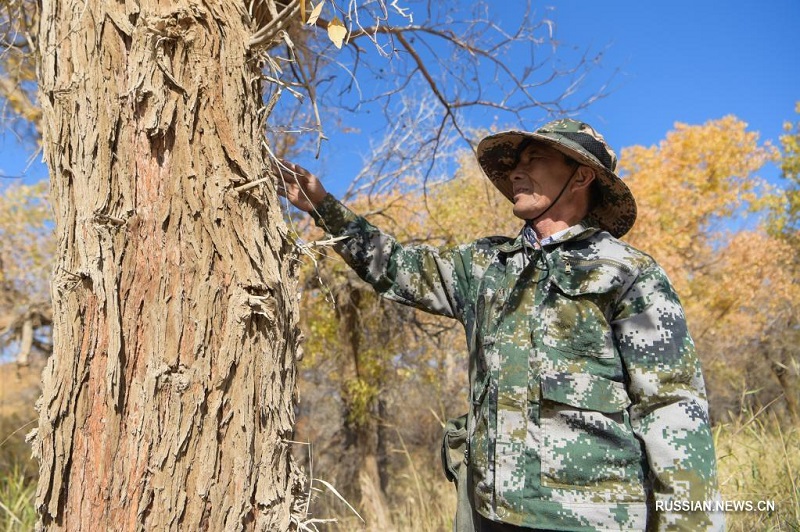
<point x="578" y="231"/>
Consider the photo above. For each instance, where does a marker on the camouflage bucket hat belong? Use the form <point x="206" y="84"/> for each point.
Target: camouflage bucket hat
<point x="614" y="210"/>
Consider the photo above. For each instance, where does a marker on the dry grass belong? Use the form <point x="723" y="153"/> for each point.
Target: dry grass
<point x="433" y="511"/>
<point x="17" y="492"/>
<point x="759" y="460"/>
<point x="19" y="389"/>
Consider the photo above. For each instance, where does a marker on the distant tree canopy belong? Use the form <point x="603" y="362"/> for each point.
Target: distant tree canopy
<point x="27" y="249"/>
<point x="786" y="212"/>
<point x="21" y="112"/>
<point x="708" y="218"/>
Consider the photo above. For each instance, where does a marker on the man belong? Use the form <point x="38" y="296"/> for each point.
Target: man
<point x="587" y="407"/>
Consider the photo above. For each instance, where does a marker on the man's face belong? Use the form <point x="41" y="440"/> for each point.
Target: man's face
<point x="538" y="178"/>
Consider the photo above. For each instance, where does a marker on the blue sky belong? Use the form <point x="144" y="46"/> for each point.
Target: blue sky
<point x="690" y="61"/>
<point x="676" y="61"/>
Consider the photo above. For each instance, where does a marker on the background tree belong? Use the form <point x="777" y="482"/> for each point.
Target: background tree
<point x="26" y="253"/>
<point x="697" y="191"/>
<point x="781" y="345"/>
<point x="20" y="111"/>
<point x="26" y="245"/>
<point x="786" y="211"/>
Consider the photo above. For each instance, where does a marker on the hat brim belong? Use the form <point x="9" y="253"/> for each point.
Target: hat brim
<point x="615" y="209"/>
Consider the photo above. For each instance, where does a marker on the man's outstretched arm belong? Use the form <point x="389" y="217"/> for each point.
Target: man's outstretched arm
<point x="433" y="280"/>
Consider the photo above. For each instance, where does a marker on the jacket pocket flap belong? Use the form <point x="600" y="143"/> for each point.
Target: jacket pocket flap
<point x="575" y="277"/>
<point x="585" y="391"/>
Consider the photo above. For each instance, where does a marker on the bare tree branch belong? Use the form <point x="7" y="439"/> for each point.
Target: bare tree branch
<point x="469" y="63"/>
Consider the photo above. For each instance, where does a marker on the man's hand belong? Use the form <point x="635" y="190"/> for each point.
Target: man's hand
<point x="299" y="186"/>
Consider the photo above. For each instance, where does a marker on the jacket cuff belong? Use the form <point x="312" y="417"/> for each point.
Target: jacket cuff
<point x="332" y="216"/>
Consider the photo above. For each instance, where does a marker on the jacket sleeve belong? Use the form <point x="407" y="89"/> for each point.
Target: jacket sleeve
<point x="669" y="411"/>
<point x="430" y="279"/>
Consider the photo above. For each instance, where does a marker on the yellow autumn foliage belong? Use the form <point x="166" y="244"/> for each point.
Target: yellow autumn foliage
<point x="694" y="190"/>
<point x="688" y="187"/>
<point x="785" y="205"/>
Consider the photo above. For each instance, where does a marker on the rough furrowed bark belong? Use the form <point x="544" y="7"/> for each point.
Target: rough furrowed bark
<point x="169" y="398"/>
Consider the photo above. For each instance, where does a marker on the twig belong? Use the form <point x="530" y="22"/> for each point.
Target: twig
<point x="328" y="242"/>
<point x="266" y="33"/>
<point x="332" y="489"/>
<point x="251" y="184"/>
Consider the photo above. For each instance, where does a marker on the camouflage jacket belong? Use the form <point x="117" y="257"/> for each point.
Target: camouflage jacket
<point x="588" y="404"/>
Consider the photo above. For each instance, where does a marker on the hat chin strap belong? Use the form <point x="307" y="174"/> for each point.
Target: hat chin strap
<point x="563" y="189"/>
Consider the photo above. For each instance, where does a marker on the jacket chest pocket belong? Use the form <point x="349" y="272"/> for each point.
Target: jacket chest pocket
<point x="576" y="309"/>
<point x="578" y="326"/>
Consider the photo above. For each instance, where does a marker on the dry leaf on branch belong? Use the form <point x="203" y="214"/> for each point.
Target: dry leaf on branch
<point x="315" y="12"/>
<point x="337" y="32"/>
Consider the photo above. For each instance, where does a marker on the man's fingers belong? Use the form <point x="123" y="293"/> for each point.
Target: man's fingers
<point x="285" y="171"/>
<point x="296" y="184"/>
<point x="287" y="167"/>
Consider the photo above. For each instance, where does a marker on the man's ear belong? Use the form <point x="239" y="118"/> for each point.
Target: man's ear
<point x="583" y="178"/>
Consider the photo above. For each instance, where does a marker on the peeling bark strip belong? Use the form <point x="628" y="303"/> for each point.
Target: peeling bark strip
<point x="169" y="398"/>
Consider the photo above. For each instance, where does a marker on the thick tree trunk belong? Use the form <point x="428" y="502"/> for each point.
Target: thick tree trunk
<point x="169" y="399"/>
<point x="373" y="499"/>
